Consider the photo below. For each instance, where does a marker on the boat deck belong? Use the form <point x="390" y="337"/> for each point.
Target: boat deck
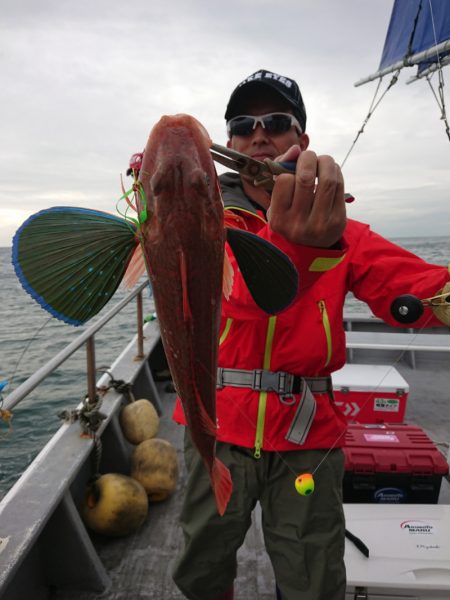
<point x="140" y="566"/>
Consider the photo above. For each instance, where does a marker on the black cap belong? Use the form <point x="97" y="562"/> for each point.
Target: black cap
<point x="285" y="87"/>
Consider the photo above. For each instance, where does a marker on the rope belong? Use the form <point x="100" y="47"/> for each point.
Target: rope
<point x="440" y="100"/>
<point x="372" y="108"/>
<point x="96" y="457"/>
<point x="119" y="385"/>
<point x="88" y="415"/>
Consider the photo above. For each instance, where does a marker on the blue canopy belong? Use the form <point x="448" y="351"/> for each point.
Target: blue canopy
<point x="415" y="27"/>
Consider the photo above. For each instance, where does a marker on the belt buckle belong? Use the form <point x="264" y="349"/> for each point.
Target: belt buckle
<point x="219" y="384"/>
<point x="287" y="397"/>
<point x="264" y="381"/>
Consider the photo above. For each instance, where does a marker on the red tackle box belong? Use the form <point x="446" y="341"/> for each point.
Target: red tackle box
<point x="392" y="463"/>
<point x="370" y="393"/>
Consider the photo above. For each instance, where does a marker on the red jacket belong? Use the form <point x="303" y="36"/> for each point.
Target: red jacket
<point x="307" y="338"/>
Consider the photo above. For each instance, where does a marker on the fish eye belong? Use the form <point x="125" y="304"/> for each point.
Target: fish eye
<point x="200" y="181"/>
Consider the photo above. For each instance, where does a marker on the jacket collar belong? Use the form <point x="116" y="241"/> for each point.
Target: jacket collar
<point x="233" y="194"/>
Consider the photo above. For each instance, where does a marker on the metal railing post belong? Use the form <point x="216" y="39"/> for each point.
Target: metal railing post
<point x="91" y="378"/>
<point x="140" y="327"/>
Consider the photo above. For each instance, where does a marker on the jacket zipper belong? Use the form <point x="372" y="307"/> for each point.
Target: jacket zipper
<point x="247" y="212"/>
<point x="327" y="329"/>
<point x="226" y="330"/>
<point x="263" y="395"/>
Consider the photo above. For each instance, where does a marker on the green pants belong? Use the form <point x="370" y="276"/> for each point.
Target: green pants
<point x="304" y="535"/>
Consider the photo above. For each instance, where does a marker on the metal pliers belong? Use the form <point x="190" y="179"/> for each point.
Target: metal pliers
<point x="262" y="172"/>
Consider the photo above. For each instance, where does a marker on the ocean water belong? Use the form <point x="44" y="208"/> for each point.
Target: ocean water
<point x="29" y="337"/>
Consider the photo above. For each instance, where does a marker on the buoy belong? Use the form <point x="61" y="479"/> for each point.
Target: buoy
<point x="154" y="464"/>
<point x="304" y="484"/>
<point x="115" y="505"/>
<point x="139" y="421"/>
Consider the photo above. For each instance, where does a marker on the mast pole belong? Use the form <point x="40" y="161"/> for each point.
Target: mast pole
<point x="408" y="61"/>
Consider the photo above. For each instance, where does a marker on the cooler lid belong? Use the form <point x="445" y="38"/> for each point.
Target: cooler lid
<point x="369" y="377"/>
<point x="409" y="547"/>
<point x="392" y="447"/>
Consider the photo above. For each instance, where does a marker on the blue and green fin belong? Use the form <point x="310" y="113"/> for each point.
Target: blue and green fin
<point x="269" y="273"/>
<point x="71" y="260"/>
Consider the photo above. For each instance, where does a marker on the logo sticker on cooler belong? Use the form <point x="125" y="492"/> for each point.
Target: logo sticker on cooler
<point x="389" y="496"/>
<point x="417" y="527"/>
<point x="378" y="437"/>
<point x="386" y="404"/>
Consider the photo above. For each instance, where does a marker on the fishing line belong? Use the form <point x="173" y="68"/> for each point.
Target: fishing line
<point x="139" y="194"/>
<point x="362" y="406"/>
<point x="7" y="415"/>
<point x="372" y="108"/>
<point x="37" y="332"/>
<point x="371" y="396"/>
<point x="127" y="218"/>
<point x="339" y="437"/>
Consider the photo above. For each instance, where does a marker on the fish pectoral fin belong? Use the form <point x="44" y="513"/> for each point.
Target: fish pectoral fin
<point x="206" y="423"/>
<point x="269" y="273"/>
<point x="135" y="269"/>
<point x="228" y="276"/>
<point x="71" y="260"/>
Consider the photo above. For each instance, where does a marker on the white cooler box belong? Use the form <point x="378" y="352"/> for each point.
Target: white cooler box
<point x="409" y="547"/>
<point x="370" y="393"/>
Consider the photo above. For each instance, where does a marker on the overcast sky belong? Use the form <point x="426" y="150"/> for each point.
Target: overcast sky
<point x="83" y="81"/>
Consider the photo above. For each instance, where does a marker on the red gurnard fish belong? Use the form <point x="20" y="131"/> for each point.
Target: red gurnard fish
<point x="183" y="244"/>
<point x="71" y="260"/>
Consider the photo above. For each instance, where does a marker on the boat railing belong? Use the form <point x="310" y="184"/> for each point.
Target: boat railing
<point x="41" y="527"/>
<point x="87" y="338"/>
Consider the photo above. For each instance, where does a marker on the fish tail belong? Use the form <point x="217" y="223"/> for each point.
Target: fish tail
<point x="222" y="485"/>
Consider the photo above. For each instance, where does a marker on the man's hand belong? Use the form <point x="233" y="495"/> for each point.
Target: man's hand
<point x="308" y="207"/>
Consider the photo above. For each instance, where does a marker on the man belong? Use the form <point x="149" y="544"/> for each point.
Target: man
<point x="266" y="438"/>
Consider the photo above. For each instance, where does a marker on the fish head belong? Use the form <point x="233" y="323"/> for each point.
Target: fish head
<point x="178" y="175"/>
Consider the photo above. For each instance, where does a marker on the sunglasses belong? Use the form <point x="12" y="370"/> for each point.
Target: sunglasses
<point x="274" y="123"/>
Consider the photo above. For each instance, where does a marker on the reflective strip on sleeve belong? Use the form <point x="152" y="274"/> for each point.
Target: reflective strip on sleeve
<point x="324" y="263"/>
